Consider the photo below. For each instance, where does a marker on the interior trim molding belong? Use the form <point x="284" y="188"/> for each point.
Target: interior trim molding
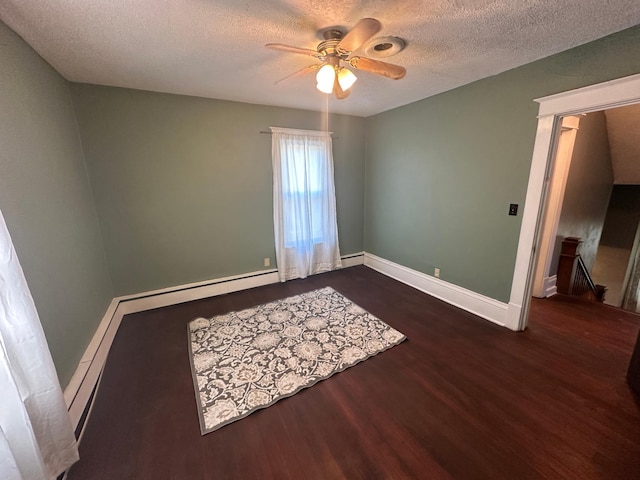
<point x="550" y="287"/>
<point x="611" y="94"/>
<point x="485" y="307"/>
<point x="78" y="392"/>
<point x="558" y="175"/>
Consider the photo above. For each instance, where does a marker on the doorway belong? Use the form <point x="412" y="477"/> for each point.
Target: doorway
<point x="625" y="91"/>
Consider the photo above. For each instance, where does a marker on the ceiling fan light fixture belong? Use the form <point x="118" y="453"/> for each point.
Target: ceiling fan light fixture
<point x="346" y="78"/>
<point x="326" y="77"/>
<point x="338" y="48"/>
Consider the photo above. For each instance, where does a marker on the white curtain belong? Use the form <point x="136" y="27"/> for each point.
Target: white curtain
<point x="304" y="203"/>
<point x="36" y="436"/>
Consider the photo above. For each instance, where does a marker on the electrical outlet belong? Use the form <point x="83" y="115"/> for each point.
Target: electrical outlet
<point x="267" y="261"/>
<point x="436" y="272"/>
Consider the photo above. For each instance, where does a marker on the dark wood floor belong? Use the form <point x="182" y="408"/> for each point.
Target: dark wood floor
<point x="462" y="398"/>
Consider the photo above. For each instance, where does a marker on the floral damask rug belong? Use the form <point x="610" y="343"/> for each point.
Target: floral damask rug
<point x="247" y="360"/>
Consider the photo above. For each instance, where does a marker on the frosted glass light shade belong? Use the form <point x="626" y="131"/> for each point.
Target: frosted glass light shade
<point x="346" y="78"/>
<point x="325" y="77"/>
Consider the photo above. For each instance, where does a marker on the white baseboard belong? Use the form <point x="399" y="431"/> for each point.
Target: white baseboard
<point x="550" y="287"/>
<point x="485" y="307"/>
<point x="85" y="378"/>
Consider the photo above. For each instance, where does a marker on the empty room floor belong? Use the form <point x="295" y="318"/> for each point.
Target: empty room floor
<point x="460" y="398"/>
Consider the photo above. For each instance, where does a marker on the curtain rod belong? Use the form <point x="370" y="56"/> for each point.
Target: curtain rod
<point x="271" y="133"/>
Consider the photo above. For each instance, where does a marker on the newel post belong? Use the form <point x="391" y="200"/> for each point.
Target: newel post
<point x="567" y="264"/>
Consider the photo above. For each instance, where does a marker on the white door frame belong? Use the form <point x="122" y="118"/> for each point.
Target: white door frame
<point x="616" y="93"/>
<point x="544" y="284"/>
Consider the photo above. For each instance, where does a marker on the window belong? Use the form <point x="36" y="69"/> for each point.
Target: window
<point x="304" y="188"/>
<point x="305" y="223"/>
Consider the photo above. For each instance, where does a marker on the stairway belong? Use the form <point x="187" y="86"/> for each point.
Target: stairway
<point x="573" y="276"/>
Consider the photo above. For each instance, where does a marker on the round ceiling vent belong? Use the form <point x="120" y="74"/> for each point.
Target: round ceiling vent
<point x="384" y="46"/>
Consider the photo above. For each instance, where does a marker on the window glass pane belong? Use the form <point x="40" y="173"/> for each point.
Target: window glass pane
<point x="304" y="184"/>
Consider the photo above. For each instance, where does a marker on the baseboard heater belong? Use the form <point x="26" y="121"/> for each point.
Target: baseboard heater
<point x="83" y="386"/>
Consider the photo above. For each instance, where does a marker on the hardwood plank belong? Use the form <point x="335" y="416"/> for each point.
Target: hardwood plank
<point x="461" y="398"/>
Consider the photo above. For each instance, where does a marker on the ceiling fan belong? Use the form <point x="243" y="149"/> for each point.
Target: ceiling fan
<point x="336" y="48"/>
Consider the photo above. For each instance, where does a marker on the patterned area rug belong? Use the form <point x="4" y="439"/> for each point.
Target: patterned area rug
<point x="247" y="360"/>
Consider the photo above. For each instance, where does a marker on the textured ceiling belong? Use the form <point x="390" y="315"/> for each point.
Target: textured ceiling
<point x="623" y="129"/>
<point x="215" y="48"/>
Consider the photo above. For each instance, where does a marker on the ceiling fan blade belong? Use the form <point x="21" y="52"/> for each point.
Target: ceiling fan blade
<point x="338" y="92"/>
<point x="290" y="49"/>
<point x="363" y="31"/>
<point x="302" y="71"/>
<point x="395" y="72"/>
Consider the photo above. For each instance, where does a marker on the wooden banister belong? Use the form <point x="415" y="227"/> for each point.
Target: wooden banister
<point x="573" y="277"/>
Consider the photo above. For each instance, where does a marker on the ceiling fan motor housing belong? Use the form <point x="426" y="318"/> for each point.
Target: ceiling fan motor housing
<point x="328" y="49"/>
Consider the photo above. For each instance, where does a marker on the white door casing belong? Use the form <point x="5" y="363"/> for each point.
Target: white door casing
<point x="557" y="182"/>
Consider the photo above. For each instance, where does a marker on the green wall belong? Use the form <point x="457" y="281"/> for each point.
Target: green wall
<point x="46" y="200"/>
<point x="183" y="185"/>
<point x="441" y="172"/>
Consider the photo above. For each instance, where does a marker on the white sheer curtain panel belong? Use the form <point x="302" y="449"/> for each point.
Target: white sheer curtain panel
<point x="36" y="436"/>
<point x="304" y="203"/>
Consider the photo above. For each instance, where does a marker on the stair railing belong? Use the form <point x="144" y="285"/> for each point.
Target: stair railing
<point x="573" y="277"/>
